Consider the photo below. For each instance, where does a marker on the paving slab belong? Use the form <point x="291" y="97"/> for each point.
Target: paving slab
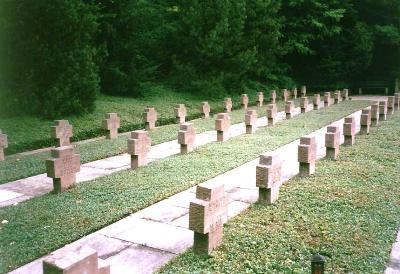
<point x="393" y="266"/>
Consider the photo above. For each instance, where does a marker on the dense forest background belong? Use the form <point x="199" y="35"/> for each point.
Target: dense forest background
<point x="56" y="55"/>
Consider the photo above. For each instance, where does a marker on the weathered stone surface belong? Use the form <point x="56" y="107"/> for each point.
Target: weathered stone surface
<point x="3" y="145"/>
<point x="207" y="214"/>
<point x="327" y="99"/>
<point x="289" y="109"/>
<point x="180" y="113"/>
<point x="272" y="114"/>
<point x="228" y="105"/>
<point x="62" y="167"/>
<point x="332" y="142"/>
<point x="205" y="110"/>
<point x="268" y="177"/>
<point x="345" y="94"/>
<point x="62" y="131"/>
<point x="307" y="155"/>
<point x="186" y="137"/>
<point x="397" y="100"/>
<point x="139" y="146"/>
<point x="349" y="131"/>
<point x="272" y="97"/>
<point x="244" y="101"/>
<point x="316" y="101"/>
<point x="337" y="97"/>
<point x="303" y="91"/>
<point x="382" y="110"/>
<point x="111" y="123"/>
<point x="250" y="121"/>
<point x="222" y="124"/>
<point x="82" y="261"/>
<point x="303" y="104"/>
<point x="374" y="113"/>
<point x="286" y="95"/>
<point x="294" y="93"/>
<point x="260" y="99"/>
<point x="390" y="105"/>
<point x="150" y="118"/>
<point x="365" y="121"/>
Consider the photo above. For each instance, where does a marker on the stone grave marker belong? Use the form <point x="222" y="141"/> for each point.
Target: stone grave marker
<point x="272" y="97"/>
<point x="271" y="114"/>
<point x="250" y="120"/>
<point x="332" y="142"/>
<point x="139" y="146"/>
<point x="397" y="101"/>
<point x="180" y="113"/>
<point x="222" y="124"/>
<point x="62" y="131"/>
<point x="3" y="145"/>
<point x="327" y="99"/>
<point x="294" y="92"/>
<point x="268" y="178"/>
<point x="390" y="105"/>
<point x="303" y="104"/>
<point x="205" y="110"/>
<point x="345" y="94"/>
<point x="307" y="155"/>
<point x="303" y="91"/>
<point x="349" y="131"/>
<point x="286" y="95"/>
<point x="207" y="215"/>
<point x="289" y="109"/>
<point x="365" y="121"/>
<point x="382" y="110"/>
<point x="360" y="91"/>
<point x="150" y="118"/>
<point x="62" y="167"/>
<point x="111" y="123"/>
<point x="338" y="97"/>
<point x="374" y="114"/>
<point x="228" y="105"/>
<point x="68" y="261"/>
<point x="186" y="137"/>
<point x="260" y="99"/>
<point x="244" y="101"/>
<point x="316" y="101"/>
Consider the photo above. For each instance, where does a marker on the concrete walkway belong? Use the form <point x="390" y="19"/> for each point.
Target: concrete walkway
<point x="38" y="185"/>
<point x="148" y="239"/>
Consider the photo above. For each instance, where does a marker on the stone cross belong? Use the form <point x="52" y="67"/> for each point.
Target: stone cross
<point x="271" y="114"/>
<point x="345" y="94"/>
<point x="250" y="120"/>
<point x="260" y="99"/>
<point x="375" y="114"/>
<point x="316" y="101"/>
<point x="365" y="121"/>
<point x="3" y="145"/>
<point x="228" y="105"/>
<point x="222" y="124"/>
<point x="303" y="91"/>
<point x="150" y="118"/>
<point x="338" y="97"/>
<point x="69" y="261"/>
<point x="327" y="99"/>
<point x="307" y="155"/>
<point x="186" y="137"/>
<point x="303" y="104"/>
<point x="268" y="178"/>
<point x="180" y="113"/>
<point x="360" y="91"/>
<point x="112" y="124"/>
<point x="397" y="100"/>
<point x="139" y="146"/>
<point x="332" y="142"/>
<point x="272" y="97"/>
<point x="62" y="131"/>
<point x="286" y="95"/>
<point x="382" y="110"/>
<point x="294" y="93"/>
<point x="390" y="105"/>
<point x="205" y="110"/>
<point x="244" y="102"/>
<point x="349" y="131"/>
<point x="62" y="167"/>
<point x="289" y="109"/>
<point x="207" y="215"/>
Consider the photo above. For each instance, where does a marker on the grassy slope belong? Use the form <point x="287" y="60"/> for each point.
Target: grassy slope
<point x="41" y="225"/>
<point x="22" y="166"/>
<point x="349" y="210"/>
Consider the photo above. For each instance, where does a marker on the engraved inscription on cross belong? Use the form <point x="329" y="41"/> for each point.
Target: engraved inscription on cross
<point x="138" y="146"/>
<point x="268" y="178"/>
<point x="228" y="105"/>
<point x="150" y="118"/>
<point x="62" y="167"/>
<point x="62" y="131"/>
<point x="205" y="110"/>
<point x="3" y="145"/>
<point x="207" y="215"/>
<point x="180" y="113"/>
<point x="111" y="123"/>
<point x="186" y="137"/>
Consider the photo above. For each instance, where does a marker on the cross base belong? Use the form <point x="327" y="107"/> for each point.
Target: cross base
<point x="289" y="116"/>
<point x="222" y="136"/>
<point x="271" y="121"/>
<point x="349" y="140"/>
<point x="250" y="129"/>
<point x="61" y="184"/>
<point x="332" y="153"/>
<point x="306" y="169"/>
<point x="185" y="149"/>
<point x="268" y="195"/>
<point x="150" y="125"/>
<point x="205" y="243"/>
<point x="364" y="129"/>
<point x="138" y="161"/>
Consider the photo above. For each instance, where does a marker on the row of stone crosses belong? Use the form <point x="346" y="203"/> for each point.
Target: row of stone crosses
<point x="209" y="211"/>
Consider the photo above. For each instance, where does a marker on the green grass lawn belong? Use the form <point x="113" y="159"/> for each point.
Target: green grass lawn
<point x="349" y="210"/>
<point x="41" y="225"/>
<point x="28" y="132"/>
<point x="21" y="166"/>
